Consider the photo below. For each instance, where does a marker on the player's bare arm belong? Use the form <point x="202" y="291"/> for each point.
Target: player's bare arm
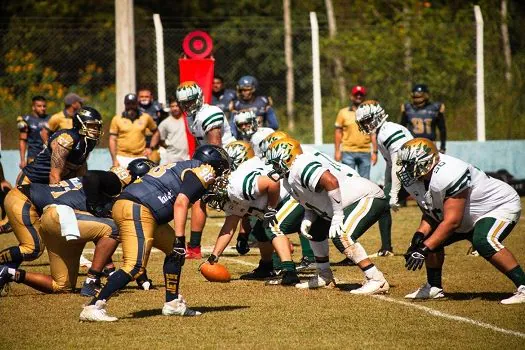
<point x="113" y="149"/>
<point x="214" y="137"/>
<point x="271" y="188"/>
<point x="58" y="162"/>
<point x="180" y="214"/>
<point x="226" y="234"/>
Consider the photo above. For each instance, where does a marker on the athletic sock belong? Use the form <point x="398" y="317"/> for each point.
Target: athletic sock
<point x="195" y="239"/>
<point x="370" y="271"/>
<point x="306" y="249"/>
<point x="116" y="281"/>
<point x="517" y="276"/>
<point x="323" y="265"/>
<point x="276" y="261"/>
<point x="288" y="266"/>
<point x="385" y="230"/>
<point x="17" y="275"/>
<point x="434" y="277"/>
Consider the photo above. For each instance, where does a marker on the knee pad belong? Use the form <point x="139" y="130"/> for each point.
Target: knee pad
<point x="341" y="243"/>
<point x="356" y="253"/>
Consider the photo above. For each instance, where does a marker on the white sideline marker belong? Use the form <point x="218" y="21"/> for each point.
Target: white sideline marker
<point x="391" y="300"/>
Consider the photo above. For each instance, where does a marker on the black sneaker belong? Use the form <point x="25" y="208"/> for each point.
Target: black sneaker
<point x="344" y="262"/>
<point x="91" y="288"/>
<point x="289" y="278"/>
<point x="260" y="273"/>
<point x="306" y="263"/>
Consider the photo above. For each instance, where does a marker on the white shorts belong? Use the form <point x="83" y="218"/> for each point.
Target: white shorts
<point x="124" y="161"/>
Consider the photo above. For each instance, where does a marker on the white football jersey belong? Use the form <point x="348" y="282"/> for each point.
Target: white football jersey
<point x="450" y="177"/>
<point x="305" y="173"/>
<point x="207" y="118"/>
<point x="243" y="190"/>
<point x="390" y="138"/>
<point x="257" y="138"/>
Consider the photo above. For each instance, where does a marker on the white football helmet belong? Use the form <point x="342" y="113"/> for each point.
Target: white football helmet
<point x="190" y="97"/>
<point x="370" y="116"/>
<point x="246" y="123"/>
<point x="415" y="159"/>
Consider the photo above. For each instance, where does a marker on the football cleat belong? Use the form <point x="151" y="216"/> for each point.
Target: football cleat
<point x="345" y="262"/>
<point x="144" y="282"/>
<point x="261" y="272"/>
<point x="382" y="253"/>
<point x="517" y="298"/>
<point x="426" y="292"/>
<point x="96" y="313"/>
<point x="289" y="278"/>
<point x="5" y="278"/>
<point x="376" y="285"/>
<point x="84" y="262"/>
<point x="306" y="263"/>
<point x="91" y="288"/>
<point x="178" y="307"/>
<point x="323" y="279"/>
<point x="193" y="252"/>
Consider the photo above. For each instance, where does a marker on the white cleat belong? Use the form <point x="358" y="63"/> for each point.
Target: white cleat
<point x="376" y="285"/>
<point x="323" y="279"/>
<point x="84" y="262"/>
<point x="517" y="298"/>
<point x="426" y="292"/>
<point x="178" y="307"/>
<point x="96" y="313"/>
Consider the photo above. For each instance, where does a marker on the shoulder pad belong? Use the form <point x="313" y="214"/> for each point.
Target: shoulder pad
<point x="265" y="100"/>
<point x="65" y="140"/>
<point x="122" y="174"/>
<point x="21" y="124"/>
<point x="205" y="173"/>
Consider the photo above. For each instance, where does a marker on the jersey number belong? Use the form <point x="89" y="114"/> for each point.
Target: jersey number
<point x="422" y="126"/>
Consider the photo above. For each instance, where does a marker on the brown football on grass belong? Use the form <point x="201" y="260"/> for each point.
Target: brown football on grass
<point x="216" y="272"/>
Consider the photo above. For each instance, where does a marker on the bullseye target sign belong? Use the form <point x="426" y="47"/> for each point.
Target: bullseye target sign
<point x="197" y="44"/>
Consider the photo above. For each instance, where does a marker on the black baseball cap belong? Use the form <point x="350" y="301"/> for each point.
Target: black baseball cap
<point x="130" y="98"/>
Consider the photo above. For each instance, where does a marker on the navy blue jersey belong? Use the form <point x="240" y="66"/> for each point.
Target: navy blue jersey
<point x="79" y="148"/>
<point x="223" y="98"/>
<point x="422" y="122"/>
<point x="159" y="188"/>
<point x="68" y="192"/>
<point x="32" y="125"/>
<point x="154" y="109"/>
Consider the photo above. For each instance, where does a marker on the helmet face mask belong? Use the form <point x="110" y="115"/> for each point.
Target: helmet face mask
<point x="370" y="116"/>
<point x="239" y="152"/>
<point x="190" y="97"/>
<point x="88" y="122"/>
<point x="246" y="123"/>
<point x="217" y="196"/>
<point x="280" y="155"/>
<point x="416" y="158"/>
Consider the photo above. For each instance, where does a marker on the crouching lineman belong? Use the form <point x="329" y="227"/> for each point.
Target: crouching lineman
<point x="142" y="214"/>
<point x="248" y="192"/>
<point x="371" y="118"/>
<point x="458" y="202"/>
<point x="66" y="225"/>
<point x="338" y="204"/>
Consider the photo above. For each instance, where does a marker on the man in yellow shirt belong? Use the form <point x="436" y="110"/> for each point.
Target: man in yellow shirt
<point x="64" y="118"/>
<point x="127" y="133"/>
<point x="351" y="146"/>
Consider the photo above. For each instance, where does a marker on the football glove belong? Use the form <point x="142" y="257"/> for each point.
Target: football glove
<point x="416" y="259"/>
<point x="212" y="259"/>
<point x="336" y="227"/>
<point x="306" y="224"/>
<point x="417" y="239"/>
<point x="270" y="218"/>
<point x="393" y="202"/>
<point x="242" y="245"/>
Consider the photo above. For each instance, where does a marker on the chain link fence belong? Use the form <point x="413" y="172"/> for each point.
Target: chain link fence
<point x="52" y="60"/>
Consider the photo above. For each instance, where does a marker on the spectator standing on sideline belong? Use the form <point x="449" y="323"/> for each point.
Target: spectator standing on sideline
<point x="421" y="117"/>
<point x="173" y="137"/>
<point x="5" y="186"/>
<point x="248" y="100"/>
<point x="148" y="105"/>
<point x="64" y="118"/>
<point x="351" y="146"/>
<point x="222" y="97"/>
<point x="30" y="126"/>
<point x="127" y="133"/>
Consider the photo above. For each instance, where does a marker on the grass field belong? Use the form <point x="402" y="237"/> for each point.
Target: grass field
<point x="250" y="315"/>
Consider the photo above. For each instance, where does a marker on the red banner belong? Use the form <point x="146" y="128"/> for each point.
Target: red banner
<point x="201" y="72"/>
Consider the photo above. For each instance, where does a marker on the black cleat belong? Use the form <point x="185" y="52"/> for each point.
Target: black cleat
<point x="306" y="263"/>
<point x="344" y="262"/>
<point x="289" y="278"/>
<point x="260" y="273"/>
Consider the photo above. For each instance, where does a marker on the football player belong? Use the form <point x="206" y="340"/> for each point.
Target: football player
<point x="67" y="151"/>
<point x="338" y="204"/>
<point x="249" y="130"/>
<point x="371" y="118"/>
<point x="260" y="105"/>
<point x="458" y="202"/>
<point x="30" y="126"/>
<point x="58" y="205"/>
<point x="142" y="213"/>
<point x="209" y="126"/>
<point x="248" y="192"/>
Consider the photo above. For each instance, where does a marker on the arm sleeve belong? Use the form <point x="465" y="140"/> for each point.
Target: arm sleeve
<point x="396" y="184"/>
<point x="442" y="127"/>
<point x="192" y="187"/>
<point x="271" y="119"/>
<point x="311" y="174"/>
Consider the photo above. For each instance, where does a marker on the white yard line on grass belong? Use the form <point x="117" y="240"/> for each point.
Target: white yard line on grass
<point x="425" y="309"/>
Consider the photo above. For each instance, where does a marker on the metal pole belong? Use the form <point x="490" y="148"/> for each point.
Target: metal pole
<point x="161" y="77"/>
<point x="125" y="51"/>
<point x="480" y="78"/>
<point x="316" y="81"/>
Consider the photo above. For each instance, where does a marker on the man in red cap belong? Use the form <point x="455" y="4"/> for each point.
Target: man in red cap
<point x="351" y="146"/>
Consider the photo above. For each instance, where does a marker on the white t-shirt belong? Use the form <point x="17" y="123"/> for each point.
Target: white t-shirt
<point x="172" y="131"/>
